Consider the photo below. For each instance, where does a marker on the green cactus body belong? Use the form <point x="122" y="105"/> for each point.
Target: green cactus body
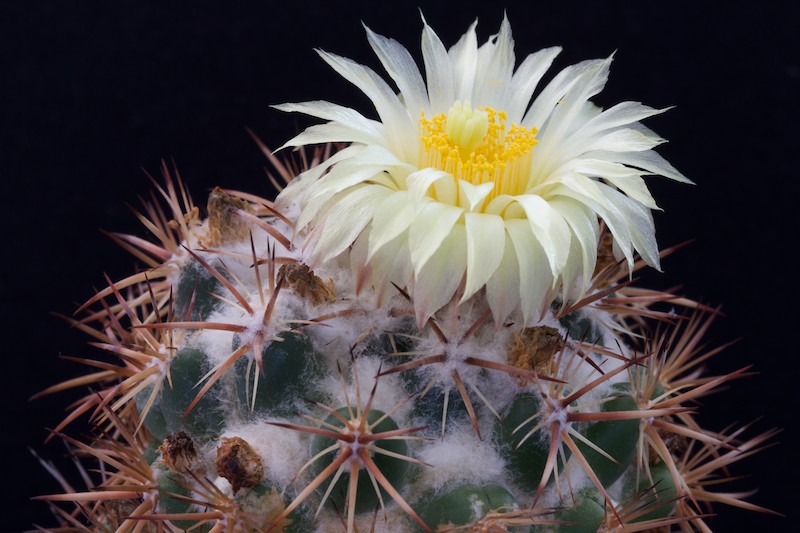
<point x="585" y="515"/>
<point x="660" y="495"/>
<point x="464" y="504"/>
<point x="291" y="366"/>
<point x="194" y="293"/>
<point x="617" y="438"/>
<point x="526" y="454"/>
<point x="171" y="487"/>
<point x="207" y="417"/>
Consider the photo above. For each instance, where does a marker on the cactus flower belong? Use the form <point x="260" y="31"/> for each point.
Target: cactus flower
<point x="469" y="182"/>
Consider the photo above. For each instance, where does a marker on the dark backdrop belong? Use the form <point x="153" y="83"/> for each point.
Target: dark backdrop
<point x="93" y="93"/>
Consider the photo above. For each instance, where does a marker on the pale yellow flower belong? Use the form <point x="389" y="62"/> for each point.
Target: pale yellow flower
<point x="466" y="182"/>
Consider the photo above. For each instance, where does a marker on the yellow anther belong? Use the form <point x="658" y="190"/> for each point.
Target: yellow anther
<point x="476" y="145"/>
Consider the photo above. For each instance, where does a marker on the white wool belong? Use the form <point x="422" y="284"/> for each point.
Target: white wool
<point x="337" y="337"/>
<point x="217" y="345"/>
<point x="389" y="393"/>
<point x="224" y="486"/>
<point x="282" y="450"/>
<point x="460" y="457"/>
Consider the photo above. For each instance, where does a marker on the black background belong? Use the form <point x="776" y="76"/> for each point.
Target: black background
<point x="93" y="93"/>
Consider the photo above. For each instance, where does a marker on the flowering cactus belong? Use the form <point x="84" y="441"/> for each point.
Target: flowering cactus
<point x="434" y="327"/>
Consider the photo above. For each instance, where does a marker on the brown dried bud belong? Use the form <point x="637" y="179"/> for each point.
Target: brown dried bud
<point x="178" y="452"/>
<point x="239" y="463"/>
<point x="534" y="349"/>
<point x="306" y="284"/>
<point x="224" y="225"/>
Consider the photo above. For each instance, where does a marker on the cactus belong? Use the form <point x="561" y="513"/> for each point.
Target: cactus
<point x="293" y="365"/>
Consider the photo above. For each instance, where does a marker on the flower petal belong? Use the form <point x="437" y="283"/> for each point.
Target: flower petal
<point x="438" y="71"/>
<point x="485" y="242"/>
<point x="464" y="61"/>
<point x="419" y="182"/>
<point x="435" y="285"/>
<point x="647" y="160"/>
<point x="392" y="217"/>
<point x="549" y="228"/>
<point x="347" y="215"/>
<point x="494" y="69"/>
<point x="535" y="275"/>
<point x="473" y="195"/>
<point x="503" y="287"/>
<point x="404" y="71"/>
<point x="337" y="113"/>
<point x="389" y="107"/>
<point x="525" y="80"/>
<point x="430" y="228"/>
<point x="583" y="224"/>
<point x="389" y="264"/>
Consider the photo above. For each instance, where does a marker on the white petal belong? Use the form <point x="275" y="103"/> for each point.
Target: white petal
<point x="571" y="106"/>
<point x="349" y="213"/>
<point x="485" y="242"/>
<point x="499" y="204"/>
<point x="619" y="115"/>
<point x="525" y="81"/>
<point x="627" y="179"/>
<point x="337" y="113"/>
<point x="503" y="287"/>
<point x="640" y="222"/>
<point x="299" y="188"/>
<point x="583" y="223"/>
<point x="435" y="285"/>
<point x="464" y="61"/>
<point x="332" y="132"/>
<point x="389" y="265"/>
<point x="400" y="128"/>
<point x="547" y="100"/>
<point x="535" y="276"/>
<point x="419" y="182"/>
<point x="392" y="217"/>
<point x="404" y="71"/>
<point x="494" y="69"/>
<point x="342" y="177"/>
<point x="438" y="71"/>
<point x="573" y="109"/>
<point x="635" y="187"/>
<point x="623" y="140"/>
<point x="647" y="160"/>
<point x="473" y="195"/>
<point x="618" y="224"/>
<point x="433" y="224"/>
<point x="585" y="186"/>
<point x="549" y="228"/>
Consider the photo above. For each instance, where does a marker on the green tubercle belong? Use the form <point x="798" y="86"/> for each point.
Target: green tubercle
<point x="291" y="366"/>
<point x="207" y="418"/>
<point x="526" y="460"/>
<point x="464" y="504"/>
<point x="618" y="438"/>
<point x="584" y="516"/>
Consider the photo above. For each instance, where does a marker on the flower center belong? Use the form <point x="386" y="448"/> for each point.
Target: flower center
<point x="477" y="146"/>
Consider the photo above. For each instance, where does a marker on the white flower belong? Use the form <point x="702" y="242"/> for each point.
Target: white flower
<point x="464" y="183"/>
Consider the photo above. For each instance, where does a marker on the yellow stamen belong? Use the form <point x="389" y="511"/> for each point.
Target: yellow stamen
<point x="476" y="146"/>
